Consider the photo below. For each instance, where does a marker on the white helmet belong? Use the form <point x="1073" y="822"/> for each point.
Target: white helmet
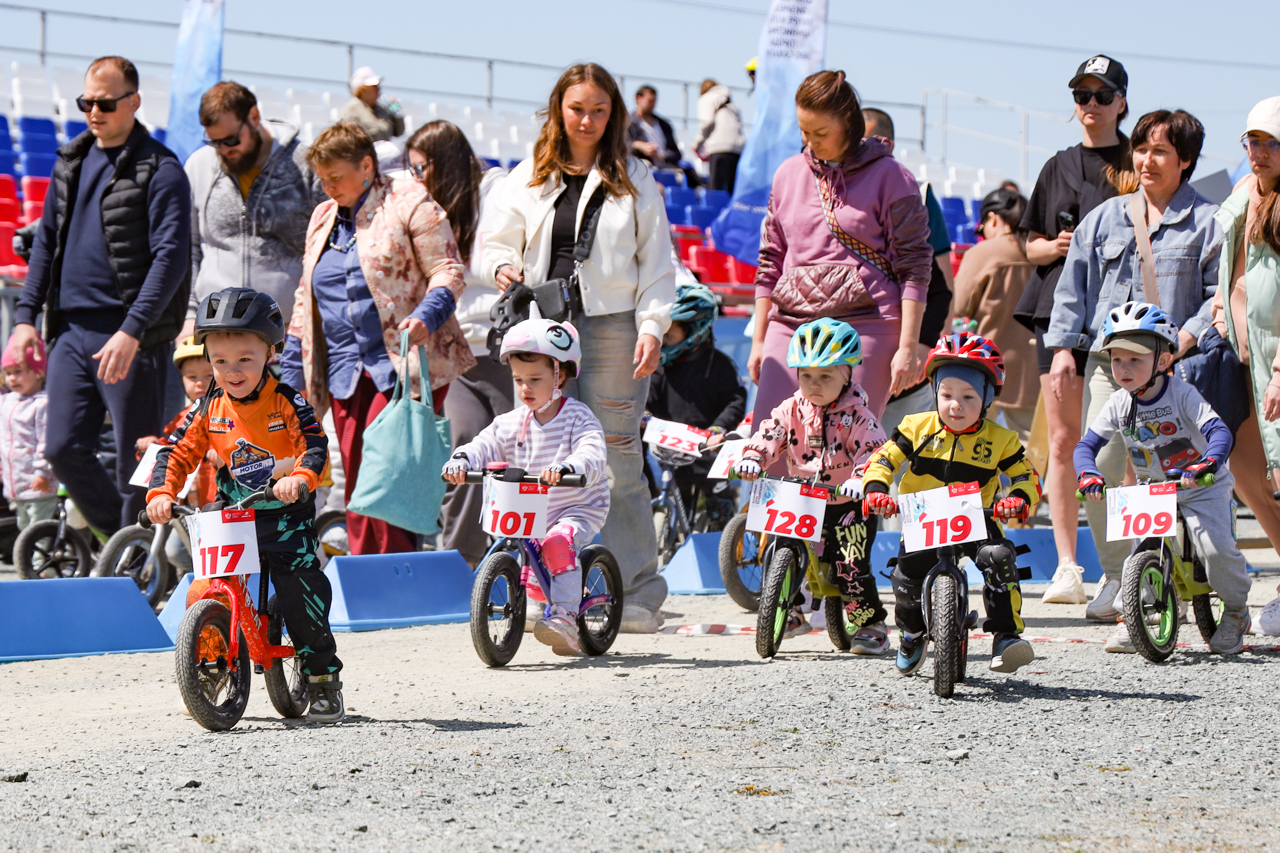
<point x="557" y="341"/>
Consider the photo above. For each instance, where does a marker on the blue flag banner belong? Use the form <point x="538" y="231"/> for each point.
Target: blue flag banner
<point x="792" y="46"/>
<point x="197" y="65"/>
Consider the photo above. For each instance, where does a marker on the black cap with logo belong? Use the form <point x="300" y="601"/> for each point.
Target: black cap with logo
<point x="1105" y="69"/>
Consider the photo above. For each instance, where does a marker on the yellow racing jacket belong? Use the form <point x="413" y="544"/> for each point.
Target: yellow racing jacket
<point x="938" y="457"/>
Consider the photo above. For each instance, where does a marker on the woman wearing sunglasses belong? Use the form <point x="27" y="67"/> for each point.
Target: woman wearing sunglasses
<point x="441" y="159"/>
<point x="1245" y="310"/>
<point x="1071" y="184"/>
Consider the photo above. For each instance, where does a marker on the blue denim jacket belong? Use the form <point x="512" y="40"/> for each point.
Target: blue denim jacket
<point x="1102" y="270"/>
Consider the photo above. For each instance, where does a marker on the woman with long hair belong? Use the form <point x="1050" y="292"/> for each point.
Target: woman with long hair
<point x="442" y="160"/>
<point x="1072" y="183"/>
<point x="581" y="161"/>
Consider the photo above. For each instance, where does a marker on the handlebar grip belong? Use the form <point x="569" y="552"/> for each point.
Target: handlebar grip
<point x="1206" y="479"/>
<point x="475" y="477"/>
<point x="577" y="481"/>
<point x="144" y="520"/>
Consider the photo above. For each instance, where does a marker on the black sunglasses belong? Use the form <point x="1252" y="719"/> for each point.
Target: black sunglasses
<point x="106" y="105"/>
<point x="1103" y="96"/>
<point x="230" y="142"/>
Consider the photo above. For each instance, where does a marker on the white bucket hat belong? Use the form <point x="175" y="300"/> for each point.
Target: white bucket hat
<point x="1265" y="117"/>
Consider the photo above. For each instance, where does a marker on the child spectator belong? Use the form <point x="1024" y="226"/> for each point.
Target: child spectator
<point x="197" y="378"/>
<point x="698" y="385"/>
<point x="556" y="435"/>
<point x="958" y="443"/>
<point x="825" y="430"/>
<point x="1169" y="429"/>
<point x="29" y="484"/>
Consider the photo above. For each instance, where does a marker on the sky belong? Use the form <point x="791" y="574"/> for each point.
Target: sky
<point x="1178" y="54"/>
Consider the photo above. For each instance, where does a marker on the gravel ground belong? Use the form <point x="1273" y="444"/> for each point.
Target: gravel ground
<point x="667" y="743"/>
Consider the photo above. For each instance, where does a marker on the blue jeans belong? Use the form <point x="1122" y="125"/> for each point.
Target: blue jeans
<point x="605" y="385"/>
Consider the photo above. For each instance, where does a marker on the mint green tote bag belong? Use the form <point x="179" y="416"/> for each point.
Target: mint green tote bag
<point x="405" y="449"/>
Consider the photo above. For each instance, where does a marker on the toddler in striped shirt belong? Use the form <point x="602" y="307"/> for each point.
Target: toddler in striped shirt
<point x="556" y="435"/>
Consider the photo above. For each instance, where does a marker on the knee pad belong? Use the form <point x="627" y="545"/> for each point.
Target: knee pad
<point x="906" y="590"/>
<point x="557" y="550"/>
<point x="998" y="562"/>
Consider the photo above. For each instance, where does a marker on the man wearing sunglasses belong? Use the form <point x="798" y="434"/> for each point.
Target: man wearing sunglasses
<point x="252" y="196"/>
<point x="111" y="270"/>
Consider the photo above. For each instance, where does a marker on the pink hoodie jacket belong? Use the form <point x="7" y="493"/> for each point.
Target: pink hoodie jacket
<point x="851" y="435"/>
<point x="808" y="273"/>
<point x="22" y="425"/>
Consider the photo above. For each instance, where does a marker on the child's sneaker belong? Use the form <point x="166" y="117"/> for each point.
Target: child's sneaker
<point x="325" y="692"/>
<point x="1228" y="639"/>
<point x="560" y="632"/>
<point x="870" y="639"/>
<point x="1120" y="642"/>
<point x="1010" y="653"/>
<point x="911" y="653"/>
<point x="1067" y="586"/>
<point x="1105" y="606"/>
<point x="797" y="625"/>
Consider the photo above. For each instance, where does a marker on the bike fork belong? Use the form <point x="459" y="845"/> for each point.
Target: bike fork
<point x="264" y="587"/>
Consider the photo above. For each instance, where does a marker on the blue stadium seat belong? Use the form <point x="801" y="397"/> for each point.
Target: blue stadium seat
<point x="675" y="214"/>
<point x="963" y="234"/>
<point x="39" y="143"/>
<point x="681" y="196"/>
<point x="491" y="163"/>
<point x="37" y="165"/>
<point x="44" y="126"/>
<point x="6" y="163"/>
<point x="668" y="178"/>
<point x="700" y="216"/>
<point x="715" y="199"/>
<point x="160" y="134"/>
<point x="74" y="128"/>
<point x="975" y="208"/>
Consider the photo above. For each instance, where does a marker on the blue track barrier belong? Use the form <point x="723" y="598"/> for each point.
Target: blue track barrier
<point x="76" y="617"/>
<point x="399" y="590"/>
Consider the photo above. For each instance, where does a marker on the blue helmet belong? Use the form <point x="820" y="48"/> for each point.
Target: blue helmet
<point x="696" y="308"/>
<point x="1142" y="323"/>
<point x="824" y="343"/>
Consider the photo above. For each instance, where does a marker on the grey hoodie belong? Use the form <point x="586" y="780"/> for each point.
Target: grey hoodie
<point x="255" y="242"/>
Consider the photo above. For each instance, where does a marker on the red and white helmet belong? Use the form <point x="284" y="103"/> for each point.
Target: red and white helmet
<point x="967" y="350"/>
<point x="557" y="341"/>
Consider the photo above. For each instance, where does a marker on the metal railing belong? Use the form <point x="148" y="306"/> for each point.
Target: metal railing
<point x="1023" y="142"/>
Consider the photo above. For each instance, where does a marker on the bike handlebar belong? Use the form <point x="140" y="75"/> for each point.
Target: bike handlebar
<point x="263" y="495"/>
<point x="831" y="490"/>
<point x="573" y="481"/>
<point x="1204" y="480"/>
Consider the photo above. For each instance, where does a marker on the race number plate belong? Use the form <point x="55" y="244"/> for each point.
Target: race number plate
<point x="226" y="543"/>
<point x="730" y="453"/>
<point x="948" y="515"/>
<point x="514" y="509"/>
<point x="1135" y="512"/>
<point x="142" y="474"/>
<point x="787" y="509"/>
<point x="681" y="438"/>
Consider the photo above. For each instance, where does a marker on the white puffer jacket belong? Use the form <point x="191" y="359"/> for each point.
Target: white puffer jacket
<point x="22" y="429"/>
<point x="629" y="269"/>
<point x="719" y="123"/>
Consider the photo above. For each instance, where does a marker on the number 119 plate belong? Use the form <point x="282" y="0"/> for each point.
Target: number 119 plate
<point x="949" y="515"/>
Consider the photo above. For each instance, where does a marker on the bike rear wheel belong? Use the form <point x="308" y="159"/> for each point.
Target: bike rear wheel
<point x="779" y="587"/>
<point x="947" y="644"/>
<point x="127" y="554"/>
<point x="286" y="684"/>
<point x="38" y="550"/>
<point x="600" y="617"/>
<point x="214" y="688"/>
<point x="1150" y="606"/>
<point x="1206" y="607"/>
<point x="838" y="627"/>
<point x="664" y="528"/>
<point x="741" y="566"/>
<point x="331" y="533"/>
<point x="498" y="603"/>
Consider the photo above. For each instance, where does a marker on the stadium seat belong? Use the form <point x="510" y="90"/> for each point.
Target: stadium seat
<point x="686" y="237"/>
<point x="715" y="199"/>
<point x="700" y="216"/>
<point x="38" y="143"/>
<point x="681" y="196"/>
<point x="32" y="210"/>
<point x="74" y="128"/>
<point x="668" y="178"/>
<point x="8" y="187"/>
<point x="7" y="256"/>
<point x="34" y="189"/>
<point x="159" y="134"/>
<point x="740" y="273"/>
<point x="675" y="214"/>
<point x="40" y="165"/>
<point x="9" y="211"/>
<point x="6" y="167"/>
<point x="39" y="126"/>
<point x="711" y="265"/>
<point x="975" y="208"/>
<point x="491" y="163"/>
<point x="963" y="234"/>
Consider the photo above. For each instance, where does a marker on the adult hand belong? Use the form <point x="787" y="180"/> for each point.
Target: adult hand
<point x="507" y="276"/>
<point x="905" y="369"/>
<point x="24" y="337"/>
<point x="160" y="509"/>
<point x="141" y="445"/>
<point x="40" y="484"/>
<point x="288" y="489"/>
<point x="115" y="359"/>
<point x="648" y="351"/>
<point x="418" y="332"/>
<point x="1062" y="244"/>
<point x="1062" y="374"/>
<point x="755" y="360"/>
<point x="648" y="149"/>
<point x="188" y="329"/>
<point x="1271" y="399"/>
<point x="214" y="459"/>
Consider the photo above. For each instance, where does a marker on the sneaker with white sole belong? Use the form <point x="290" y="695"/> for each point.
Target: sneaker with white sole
<point x="560" y="632"/>
<point x="1105" y="606"/>
<point x="1120" y="642"/>
<point x="638" y="619"/>
<point x="325" y="694"/>
<point x="797" y="625"/>
<point x="1228" y="639"/>
<point x="1067" y="586"/>
<point x="1009" y="653"/>
<point x="870" y="639"/>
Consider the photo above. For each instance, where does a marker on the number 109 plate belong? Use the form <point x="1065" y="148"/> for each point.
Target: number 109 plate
<point x="1135" y="512"/>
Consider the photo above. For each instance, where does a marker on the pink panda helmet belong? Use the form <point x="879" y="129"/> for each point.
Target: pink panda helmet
<point x="557" y="341"/>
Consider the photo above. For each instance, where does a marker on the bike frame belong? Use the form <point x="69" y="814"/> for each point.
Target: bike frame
<point x="669" y="496"/>
<point x="949" y="564"/>
<point x="532" y="553"/>
<point x="1178" y="569"/>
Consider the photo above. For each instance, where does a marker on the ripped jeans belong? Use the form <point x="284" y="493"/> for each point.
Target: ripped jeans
<point x="606" y="387"/>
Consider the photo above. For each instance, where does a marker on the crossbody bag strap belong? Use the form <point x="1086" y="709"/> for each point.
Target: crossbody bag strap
<point x="587" y="232"/>
<point x="855" y="246"/>
<point x="1138" y="213"/>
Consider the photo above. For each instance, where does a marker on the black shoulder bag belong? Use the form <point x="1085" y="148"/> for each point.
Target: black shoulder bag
<point x="559" y="299"/>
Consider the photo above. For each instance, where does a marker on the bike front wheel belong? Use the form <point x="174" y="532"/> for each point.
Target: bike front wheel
<point x="286" y="684"/>
<point x="127" y="554"/>
<point x="39" y="553"/>
<point x="741" y="562"/>
<point x="498" y="605"/>
<point x="948" y="668"/>
<point x="214" y="687"/>
<point x="1150" y="606"/>
<point x="781" y="580"/>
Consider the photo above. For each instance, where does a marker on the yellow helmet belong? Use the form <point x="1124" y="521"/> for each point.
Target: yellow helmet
<point x="752" y="63"/>
<point x="188" y="348"/>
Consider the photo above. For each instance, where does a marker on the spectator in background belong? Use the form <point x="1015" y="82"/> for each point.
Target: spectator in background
<point x="719" y="140"/>
<point x="652" y="138"/>
<point x="29" y="485"/>
<point x="381" y="121"/>
<point x="380" y="259"/>
<point x="252" y="195"/>
<point x="1011" y="186"/>
<point x="442" y="160"/>
<point x="111" y="270"/>
<point x="989" y="283"/>
<point x="1072" y="183"/>
<point x="920" y="397"/>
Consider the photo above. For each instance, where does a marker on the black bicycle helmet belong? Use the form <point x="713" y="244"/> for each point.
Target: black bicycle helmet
<point x="240" y="309"/>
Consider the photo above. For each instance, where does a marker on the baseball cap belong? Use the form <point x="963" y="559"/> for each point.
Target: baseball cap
<point x="1140" y="342"/>
<point x="1105" y="69"/>
<point x="1265" y="116"/>
<point x="998" y="201"/>
<point x="364" y="76"/>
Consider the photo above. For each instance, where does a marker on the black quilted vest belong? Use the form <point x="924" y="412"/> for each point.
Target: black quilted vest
<point x="125" y="223"/>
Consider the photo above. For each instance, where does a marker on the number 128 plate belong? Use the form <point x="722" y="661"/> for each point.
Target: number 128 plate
<point x="787" y="509"/>
<point x="948" y="515"/>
